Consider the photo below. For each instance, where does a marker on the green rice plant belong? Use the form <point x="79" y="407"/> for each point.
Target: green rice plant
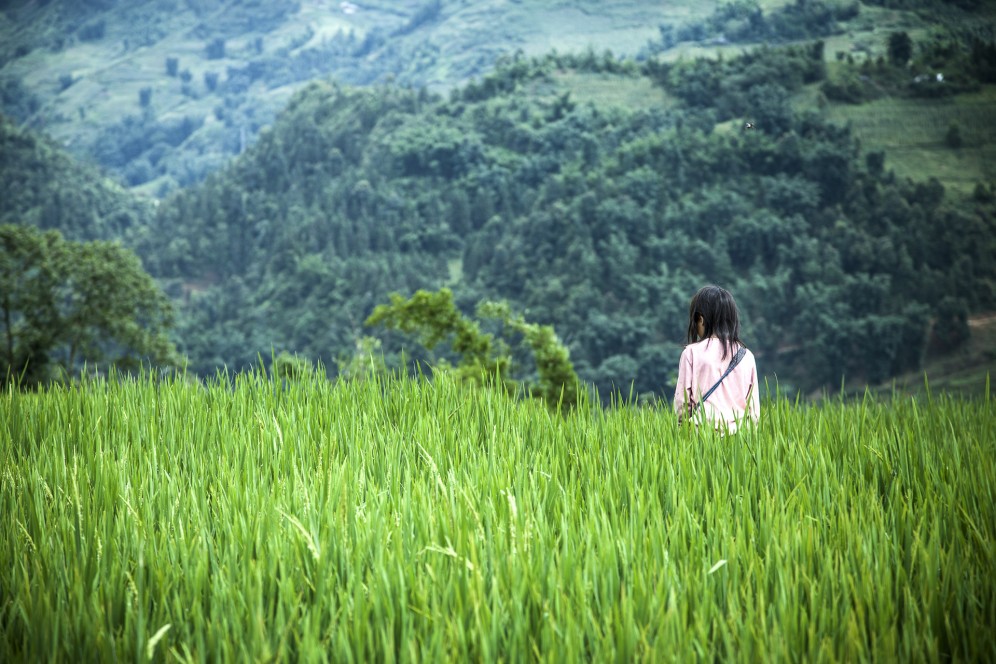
<point x="394" y="519"/>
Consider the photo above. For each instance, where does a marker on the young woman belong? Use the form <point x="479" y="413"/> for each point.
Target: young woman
<point x="713" y="344"/>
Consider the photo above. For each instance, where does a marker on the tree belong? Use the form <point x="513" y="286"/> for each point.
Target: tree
<point x="435" y="318"/>
<point x="28" y="276"/>
<point x="900" y="48"/>
<point x="558" y="383"/>
<point x="953" y="137"/>
<point x="79" y="301"/>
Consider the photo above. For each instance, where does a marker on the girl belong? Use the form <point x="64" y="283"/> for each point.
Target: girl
<point x="713" y="347"/>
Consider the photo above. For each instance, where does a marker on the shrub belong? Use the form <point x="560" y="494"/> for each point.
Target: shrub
<point x="216" y="49"/>
<point x="93" y="31"/>
<point x="952" y="138"/>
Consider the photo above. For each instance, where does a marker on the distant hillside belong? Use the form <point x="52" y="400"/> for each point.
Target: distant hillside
<point x="162" y="92"/>
<point x="43" y="186"/>
<point x="848" y="208"/>
<point x="598" y="214"/>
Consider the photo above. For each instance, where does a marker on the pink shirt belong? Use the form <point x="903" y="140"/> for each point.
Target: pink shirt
<point x="700" y="367"/>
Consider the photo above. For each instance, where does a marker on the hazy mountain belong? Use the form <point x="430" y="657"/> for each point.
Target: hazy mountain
<point x="162" y="92"/>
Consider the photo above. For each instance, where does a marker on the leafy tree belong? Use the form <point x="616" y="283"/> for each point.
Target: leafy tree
<point x="215" y="50"/>
<point x="434" y="317"/>
<point x="75" y="301"/>
<point x="900" y="48"/>
<point x="950" y="328"/>
<point x="952" y="138"/>
<point x="558" y="384"/>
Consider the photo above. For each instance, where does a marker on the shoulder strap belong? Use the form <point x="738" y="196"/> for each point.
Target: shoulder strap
<point x="733" y="364"/>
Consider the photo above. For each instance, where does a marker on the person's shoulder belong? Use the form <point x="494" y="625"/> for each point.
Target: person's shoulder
<point x="694" y="349"/>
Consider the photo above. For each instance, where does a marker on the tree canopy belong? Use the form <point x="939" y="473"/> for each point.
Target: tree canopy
<point x="483" y="357"/>
<point x="598" y="216"/>
<point x="63" y="303"/>
<point x="597" y="219"/>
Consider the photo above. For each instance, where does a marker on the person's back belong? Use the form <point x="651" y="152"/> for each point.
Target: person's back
<point x="713" y="342"/>
<point x="701" y="366"/>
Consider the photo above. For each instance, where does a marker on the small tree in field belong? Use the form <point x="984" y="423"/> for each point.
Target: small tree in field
<point x="434" y="317"/>
<point x="900" y="48"/>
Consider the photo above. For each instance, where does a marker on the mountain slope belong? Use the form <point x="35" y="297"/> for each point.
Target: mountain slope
<point x="598" y="218"/>
<point x="163" y="91"/>
<point x="41" y="185"/>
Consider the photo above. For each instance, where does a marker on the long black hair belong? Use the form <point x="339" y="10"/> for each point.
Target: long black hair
<point x="720" y="315"/>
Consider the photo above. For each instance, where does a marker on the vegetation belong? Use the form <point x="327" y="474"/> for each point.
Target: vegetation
<point x="916" y="147"/>
<point x="319" y="499"/>
<point x="745" y="21"/>
<point x="482" y="357"/>
<point x="42" y="186"/>
<point x="63" y="303"/>
<point x="597" y="220"/>
<point x="240" y="65"/>
<point x="396" y="519"/>
<point x="259" y="54"/>
<point x="943" y="64"/>
<point x="592" y="194"/>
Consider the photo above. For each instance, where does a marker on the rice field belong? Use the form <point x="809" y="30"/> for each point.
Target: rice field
<point x="403" y="520"/>
<point x="912" y="132"/>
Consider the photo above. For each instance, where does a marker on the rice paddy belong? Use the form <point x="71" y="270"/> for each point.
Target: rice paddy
<point x="405" y="520"/>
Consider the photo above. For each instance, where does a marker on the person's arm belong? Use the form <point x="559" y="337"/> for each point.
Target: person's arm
<point x="683" y="390"/>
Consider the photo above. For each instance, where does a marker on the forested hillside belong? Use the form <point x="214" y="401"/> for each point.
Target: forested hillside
<point x="600" y="219"/>
<point x="163" y="92"/>
<point x="43" y="186"/>
<point x="594" y="193"/>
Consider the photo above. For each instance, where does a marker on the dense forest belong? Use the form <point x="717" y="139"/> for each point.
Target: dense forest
<point x="162" y="92"/>
<point x="41" y="185"/>
<point x="600" y="221"/>
<point x="591" y="213"/>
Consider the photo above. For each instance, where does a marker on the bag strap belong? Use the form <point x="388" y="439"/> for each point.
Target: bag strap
<point x="733" y="364"/>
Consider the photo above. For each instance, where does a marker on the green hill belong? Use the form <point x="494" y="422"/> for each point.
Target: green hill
<point x="597" y="217"/>
<point x="42" y="185"/>
<point x="593" y="193"/>
<point x="161" y="93"/>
